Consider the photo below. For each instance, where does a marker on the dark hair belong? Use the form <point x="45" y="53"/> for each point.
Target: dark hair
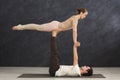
<point x="83" y="10"/>
<point x="89" y="72"/>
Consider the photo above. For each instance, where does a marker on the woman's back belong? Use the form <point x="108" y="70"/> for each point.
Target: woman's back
<point x="67" y="24"/>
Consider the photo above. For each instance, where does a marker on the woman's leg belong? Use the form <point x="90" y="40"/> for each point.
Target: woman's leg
<point x="54" y="56"/>
<point x="29" y="27"/>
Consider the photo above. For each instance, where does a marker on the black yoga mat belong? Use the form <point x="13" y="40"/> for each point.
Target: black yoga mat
<point x="48" y="76"/>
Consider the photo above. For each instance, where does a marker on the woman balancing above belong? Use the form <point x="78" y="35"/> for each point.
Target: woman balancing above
<point x="56" y="27"/>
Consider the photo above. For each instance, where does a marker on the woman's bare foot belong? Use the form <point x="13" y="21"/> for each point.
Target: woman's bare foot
<point x="15" y="28"/>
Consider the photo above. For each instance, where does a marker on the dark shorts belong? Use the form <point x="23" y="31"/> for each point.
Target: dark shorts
<point x="54" y="57"/>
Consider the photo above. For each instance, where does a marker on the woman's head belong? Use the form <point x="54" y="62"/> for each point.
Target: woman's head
<point x="82" y="12"/>
<point x="86" y="71"/>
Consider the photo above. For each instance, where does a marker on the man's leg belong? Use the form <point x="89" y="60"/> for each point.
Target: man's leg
<point x="54" y="57"/>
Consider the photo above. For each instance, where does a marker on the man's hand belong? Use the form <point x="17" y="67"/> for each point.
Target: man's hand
<point x="77" y="44"/>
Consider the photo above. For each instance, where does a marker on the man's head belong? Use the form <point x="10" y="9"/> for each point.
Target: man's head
<point x="86" y="71"/>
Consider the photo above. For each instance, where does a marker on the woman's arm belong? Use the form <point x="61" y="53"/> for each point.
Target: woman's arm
<point x="75" y="31"/>
<point x="75" y="23"/>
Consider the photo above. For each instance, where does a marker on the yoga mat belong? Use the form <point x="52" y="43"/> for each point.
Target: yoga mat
<point x="48" y="76"/>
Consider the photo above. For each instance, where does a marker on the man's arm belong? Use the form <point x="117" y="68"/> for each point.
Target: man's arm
<point x="75" y="55"/>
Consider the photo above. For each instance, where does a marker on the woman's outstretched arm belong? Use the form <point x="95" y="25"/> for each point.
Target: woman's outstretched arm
<point x="75" y="31"/>
<point x="75" y="23"/>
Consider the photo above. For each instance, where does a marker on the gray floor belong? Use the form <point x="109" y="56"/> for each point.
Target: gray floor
<point x="11" y="73"/>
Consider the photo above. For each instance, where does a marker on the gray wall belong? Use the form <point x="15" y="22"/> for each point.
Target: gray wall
<point x="99" y="33"/>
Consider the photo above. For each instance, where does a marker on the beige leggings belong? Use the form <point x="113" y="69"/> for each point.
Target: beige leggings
<point x="31" y="27"/>
<point x="53" y="25"/>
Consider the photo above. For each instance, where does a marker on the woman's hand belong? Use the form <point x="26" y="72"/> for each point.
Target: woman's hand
<point x="77" y="44"/>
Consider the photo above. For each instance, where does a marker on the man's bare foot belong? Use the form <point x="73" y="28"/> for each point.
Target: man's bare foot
<point x="54" y="33"/>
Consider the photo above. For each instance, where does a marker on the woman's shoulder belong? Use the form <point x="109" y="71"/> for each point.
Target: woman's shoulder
<point x="73" y="17"/>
